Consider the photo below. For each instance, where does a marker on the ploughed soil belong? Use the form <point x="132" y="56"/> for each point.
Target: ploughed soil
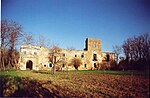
<point x="72" y="84"/>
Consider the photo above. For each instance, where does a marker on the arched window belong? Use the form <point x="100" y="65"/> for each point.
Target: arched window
<point x="75" y="55"/>
<point x="50" y="65"/>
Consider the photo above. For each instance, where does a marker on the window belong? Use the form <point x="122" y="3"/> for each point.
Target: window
<point x="64" y="55"/>
<point x="107" y="58"/>
<point x="50" y="65"/>
<point x="94" y="45"/>
<point x="94" y="57"/>
<point x="82" y="56"/>
<point x="94" y="65"/>
<point x="63" y="65"/>
<point x="75" y="55"/>
<point x="84" y="65"/>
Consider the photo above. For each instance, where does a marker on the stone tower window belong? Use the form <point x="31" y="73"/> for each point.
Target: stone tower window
<point x="94" y="57"/>
<point x="94" y="45"/>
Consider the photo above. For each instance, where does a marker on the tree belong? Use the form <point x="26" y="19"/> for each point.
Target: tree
<point x="4" y="40"/>
<point x="117" y="50"/>
<point x="137" y="51"/>
<point x="76" y="62"/>
<point x="71" y="48"/>
<point x="28" y="38"/>
<point x="15" y="34"/>
<point x="42" y="41"/>
<point x="55" y="57"/>
<point x="10" y="34"/>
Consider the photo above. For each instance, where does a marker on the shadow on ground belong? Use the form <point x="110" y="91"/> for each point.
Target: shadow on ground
<point x="25" y="87"/>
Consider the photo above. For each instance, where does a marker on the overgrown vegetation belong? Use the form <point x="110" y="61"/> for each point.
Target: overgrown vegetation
<point x="74" y="84"/>
<point x="76" y="62"/>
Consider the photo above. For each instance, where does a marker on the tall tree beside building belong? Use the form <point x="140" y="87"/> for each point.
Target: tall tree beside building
<point x="4" y="41"/>
<point x="10" y="34"/>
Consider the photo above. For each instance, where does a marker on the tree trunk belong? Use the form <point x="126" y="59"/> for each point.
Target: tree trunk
<point x="53" y="69"/>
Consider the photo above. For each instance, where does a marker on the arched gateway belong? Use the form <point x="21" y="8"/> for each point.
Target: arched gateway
<point x="29" y="65"/>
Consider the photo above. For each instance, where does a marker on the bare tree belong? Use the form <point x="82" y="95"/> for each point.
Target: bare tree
<point x="15" y="34"/>
<point x="41" y="41"/>
<point x="71" y="48"/>
<point x="10" y="34"/>
<point x="28" y="38"/>
<point x="55" y="57"/>
<point x="44" y="42"/>
<point x="4" y="40"/>
<point x="137" y="50"/>
<point x="117" y="50"/>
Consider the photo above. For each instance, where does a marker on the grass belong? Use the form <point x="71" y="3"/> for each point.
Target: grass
<point x="104" y="72"/>
<point x="131" y="72"/>
<point x="81" y="83"/>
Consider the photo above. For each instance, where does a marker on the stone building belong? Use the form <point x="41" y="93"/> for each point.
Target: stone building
<point x="37" y="57"/>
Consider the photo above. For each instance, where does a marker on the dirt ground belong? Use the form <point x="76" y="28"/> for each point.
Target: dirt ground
<point x="73" y="84"/>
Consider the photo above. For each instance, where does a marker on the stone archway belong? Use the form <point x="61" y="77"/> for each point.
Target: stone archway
<point x="29" y="64"/>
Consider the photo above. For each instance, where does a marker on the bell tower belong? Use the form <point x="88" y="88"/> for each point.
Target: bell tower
<point x="92" y="44"/>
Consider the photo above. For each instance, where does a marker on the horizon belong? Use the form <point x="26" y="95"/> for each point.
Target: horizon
<point x="69" y="22"/>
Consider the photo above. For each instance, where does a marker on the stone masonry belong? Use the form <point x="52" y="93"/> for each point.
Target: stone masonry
<point x="36" y="57"/>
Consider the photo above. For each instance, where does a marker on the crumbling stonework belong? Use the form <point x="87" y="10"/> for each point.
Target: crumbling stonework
<point x="37" y="57"/>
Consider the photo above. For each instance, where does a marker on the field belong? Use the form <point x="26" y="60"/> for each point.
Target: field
<point x="74" y="84"/>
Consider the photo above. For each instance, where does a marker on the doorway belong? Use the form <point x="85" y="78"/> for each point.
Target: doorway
<point x="29" y="65"/>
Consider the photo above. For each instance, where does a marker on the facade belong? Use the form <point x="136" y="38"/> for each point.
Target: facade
<point x="37" y="57"/>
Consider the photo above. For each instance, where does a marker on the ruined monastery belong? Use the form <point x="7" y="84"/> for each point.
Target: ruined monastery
<point x="37" y="57"/>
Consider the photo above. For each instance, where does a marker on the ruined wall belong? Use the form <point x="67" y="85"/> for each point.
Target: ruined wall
<point x="90" y="56"/>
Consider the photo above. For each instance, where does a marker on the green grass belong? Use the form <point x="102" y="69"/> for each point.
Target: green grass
<point x="22" y="73"/>
<point x="9" y="72"/>
<point x="143" y="73"/>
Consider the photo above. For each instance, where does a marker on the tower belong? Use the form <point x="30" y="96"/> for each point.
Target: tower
<point x="92" y="44"/>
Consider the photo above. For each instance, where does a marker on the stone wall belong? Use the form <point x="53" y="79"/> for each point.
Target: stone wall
<point x="90" y="56"/>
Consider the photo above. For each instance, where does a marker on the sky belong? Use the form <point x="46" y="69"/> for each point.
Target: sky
<point x="69" y="22"/>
